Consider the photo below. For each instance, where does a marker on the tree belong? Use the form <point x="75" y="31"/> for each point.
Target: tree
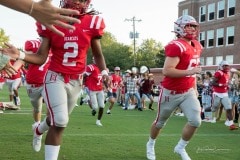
<point x="150" y="53"/>
<point x="3" y="37"/>
<point x="116" y="54"/>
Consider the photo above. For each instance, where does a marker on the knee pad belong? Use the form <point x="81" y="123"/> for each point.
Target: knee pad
<point x="195" y="123"/>
<point x="61" y="121"/>
<point x="160" y="125"/>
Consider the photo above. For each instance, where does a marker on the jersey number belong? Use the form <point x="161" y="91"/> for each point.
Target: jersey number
<point x="68" y="55"/>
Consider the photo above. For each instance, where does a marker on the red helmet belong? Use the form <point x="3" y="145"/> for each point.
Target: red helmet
<point x="75" y="5"/>
<point x="181" y="30"/>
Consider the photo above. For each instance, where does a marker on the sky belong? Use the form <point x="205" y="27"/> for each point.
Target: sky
<point x="156" y="20"/>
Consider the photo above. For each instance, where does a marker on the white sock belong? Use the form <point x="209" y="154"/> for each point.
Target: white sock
<point x="43" y="127"/>
<point x="51" y="152"/>
<point x="152" y="140"/>
<point x="182" y="143"/>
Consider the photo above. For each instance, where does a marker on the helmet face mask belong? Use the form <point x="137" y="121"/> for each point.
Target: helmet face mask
<point x="186" y="27"/>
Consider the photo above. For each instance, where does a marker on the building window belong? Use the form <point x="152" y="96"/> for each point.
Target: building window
<point x="209" y="61"/>
<point x="220" y="33"/>
<point x="230" y="35"/>
<point x="229" y="58"/>
<point x="185" y="12"/>
<point x="211" y="11"/>
<point x="231" y="7"/>
<point x="218" y="59"/>
<point x="202" y="61"/>
<point x="202" y="13"/>
<point x="221" y="6"/>
<point x="202" y="38"/>
<point x="210" y="38"/>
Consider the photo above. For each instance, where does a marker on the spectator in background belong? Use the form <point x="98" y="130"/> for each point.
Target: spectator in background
<point x="234" y="90"/>
<point x="146" y="86"/>
<point x="132" y="90"/>
<point x="114" y="85"/>
<point x="207" y="96"/>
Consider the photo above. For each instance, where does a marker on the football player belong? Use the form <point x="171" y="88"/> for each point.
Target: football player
<point x="220" y="84"/>
<point x="63" y="79"/>
<point x="94" y="83"/>
<point x="35" y="78"/>
<point x="14" y="82"/>
<point x="115" y="85"/>
<point x="179" y="85"/>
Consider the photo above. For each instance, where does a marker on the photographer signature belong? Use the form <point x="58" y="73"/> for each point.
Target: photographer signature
<point x="213" y="149"/>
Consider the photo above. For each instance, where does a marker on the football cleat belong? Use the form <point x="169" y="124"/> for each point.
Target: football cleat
<point x="98" y="123"/>
<point x="182" y="153"/>
<point x="150" y="151"/>
<point x="37" y="140"/>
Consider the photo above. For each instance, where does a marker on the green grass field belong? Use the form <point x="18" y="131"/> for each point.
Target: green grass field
<point x="123" y="136"/>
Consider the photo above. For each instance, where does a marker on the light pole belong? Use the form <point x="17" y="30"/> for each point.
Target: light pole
<point x="134" y="35"/>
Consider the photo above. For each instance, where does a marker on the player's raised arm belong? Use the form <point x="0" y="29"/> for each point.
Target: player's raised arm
<point x="45" y="13"/>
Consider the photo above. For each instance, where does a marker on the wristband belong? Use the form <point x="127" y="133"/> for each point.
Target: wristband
<point x="104" y="73"/>
<point x="21" y="55"/>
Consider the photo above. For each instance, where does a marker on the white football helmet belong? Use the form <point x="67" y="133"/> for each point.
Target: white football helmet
<point x="222" y="64"/>
<point x="143" y="69"/>
<point x="181" y="23"/>
<point x="134" y="70"/>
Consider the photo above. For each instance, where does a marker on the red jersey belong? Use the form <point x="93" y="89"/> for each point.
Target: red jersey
<point x="35" y="73"/>
<point x="116" y="81"/>
<point x="69" y="52"/>
<point x="94" y="78"/>
<point x="223" y="78"/>
<point x="189" y="56"/>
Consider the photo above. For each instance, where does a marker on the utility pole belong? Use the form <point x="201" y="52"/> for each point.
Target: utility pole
<point x="134" y="35"/>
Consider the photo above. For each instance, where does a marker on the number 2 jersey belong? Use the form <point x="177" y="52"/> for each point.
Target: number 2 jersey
<point x="69" y="52"/>
<point x="189" y="56"/>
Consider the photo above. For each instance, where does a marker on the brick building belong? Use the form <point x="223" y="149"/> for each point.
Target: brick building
<point x="219" y="32"/>
<point x="219" y="28"/>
